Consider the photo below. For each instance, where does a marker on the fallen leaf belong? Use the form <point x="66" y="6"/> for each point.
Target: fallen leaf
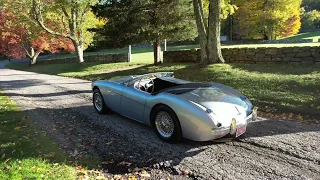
<point x="83" y="172"/>
<point x="50" y="155"/>
<point x="300" y="118"/>
<point x="17" y="128"/>
<point x="132" y="177"/>
<point x="117" y="177"/>
<point x="291" y="115"/>
<point x="107" y="162"/>
<point x="7" y="160"/>
<point x="145" y="174"/>
<point x="100" y="178"/>
<point x="6" y="168"/>
<point x="23" y="118"/>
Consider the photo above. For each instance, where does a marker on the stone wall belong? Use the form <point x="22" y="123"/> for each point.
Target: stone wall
<point x="287" y="41"/>
<point x="284" y="55"/>
<point x="107" y="58"/>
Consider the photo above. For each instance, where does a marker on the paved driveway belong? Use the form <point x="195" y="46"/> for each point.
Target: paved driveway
<point x="271" y="149"/>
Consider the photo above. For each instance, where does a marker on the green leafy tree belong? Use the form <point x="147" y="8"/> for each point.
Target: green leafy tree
<point x="146" y="21"/>
<point x="311" y="5"/>
<point x="76" y="17"/>
<point x="269" y="19"/>
<point x="311" y="20"/>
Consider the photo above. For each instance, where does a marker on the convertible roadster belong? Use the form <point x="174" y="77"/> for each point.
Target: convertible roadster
<point x="176" y="108"/>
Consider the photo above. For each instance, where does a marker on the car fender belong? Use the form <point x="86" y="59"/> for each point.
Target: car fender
<point x="196" y="124"/>
<point x="111" y="93"/>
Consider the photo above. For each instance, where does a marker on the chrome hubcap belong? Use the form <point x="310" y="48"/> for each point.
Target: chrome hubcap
<point x="98" y="101"/>
<point x="164" y="124"/>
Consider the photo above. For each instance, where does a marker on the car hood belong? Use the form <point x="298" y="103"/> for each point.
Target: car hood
<point x="220" y="99"/>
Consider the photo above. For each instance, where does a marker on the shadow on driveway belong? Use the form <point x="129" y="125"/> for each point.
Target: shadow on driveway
<point x="115" y="139"/>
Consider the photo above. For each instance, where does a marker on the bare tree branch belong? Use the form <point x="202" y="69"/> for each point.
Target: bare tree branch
<point x="36" y="6"/>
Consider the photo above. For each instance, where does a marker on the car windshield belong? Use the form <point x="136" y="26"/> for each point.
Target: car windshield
<point x="129" y="81"/>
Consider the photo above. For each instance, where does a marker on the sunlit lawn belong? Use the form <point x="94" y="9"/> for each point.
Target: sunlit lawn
<point x="288" y="88"/>
<point x="308" y="35"/>
<point x="25" y="151"/>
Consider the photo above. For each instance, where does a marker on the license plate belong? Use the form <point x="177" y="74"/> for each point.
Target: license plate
<point x="241" y="130"/>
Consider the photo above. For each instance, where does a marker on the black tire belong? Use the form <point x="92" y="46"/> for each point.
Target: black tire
<point x="104" y="109"/>
<point x="177" y="133"/>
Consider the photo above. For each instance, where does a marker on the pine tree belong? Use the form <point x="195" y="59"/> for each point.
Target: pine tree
<point x="147" y="21"/>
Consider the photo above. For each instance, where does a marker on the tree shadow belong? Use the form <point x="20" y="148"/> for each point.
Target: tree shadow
<point x="281" y="69"/>
<point x="115" y="139"/>
<point x="36" y="82"/>
<point x="144" y="69"/>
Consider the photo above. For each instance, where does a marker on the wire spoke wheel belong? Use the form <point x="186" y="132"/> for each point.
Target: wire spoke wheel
<point x="164" y="124"/>
<point x="98" y="102"/>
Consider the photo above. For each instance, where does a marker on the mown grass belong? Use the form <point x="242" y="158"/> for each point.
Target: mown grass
<point x="25" y="151"/>
<point x="288" y="88"/>
<point x="308" y="35"/>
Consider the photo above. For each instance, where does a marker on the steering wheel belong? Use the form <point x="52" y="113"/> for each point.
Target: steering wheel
<point x="146" y="85"/>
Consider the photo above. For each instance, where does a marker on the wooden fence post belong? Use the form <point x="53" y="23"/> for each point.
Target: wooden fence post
<point x="129" y="54"/>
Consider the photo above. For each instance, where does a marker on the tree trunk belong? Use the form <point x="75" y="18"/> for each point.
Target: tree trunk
<point x="157" y="52"/>
<point x="79" y="50"/>
<point x="214" y="44"/>
<point x="33" y="58"/>
<point x="201" y="30"/>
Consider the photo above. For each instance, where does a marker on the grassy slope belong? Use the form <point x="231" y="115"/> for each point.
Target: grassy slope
<point x="26" y="152"/>
<point x="309" y="35"/>
<point x="290" y="88"/>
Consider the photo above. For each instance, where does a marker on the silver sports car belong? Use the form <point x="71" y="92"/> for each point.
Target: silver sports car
<point x="176" y="108"/>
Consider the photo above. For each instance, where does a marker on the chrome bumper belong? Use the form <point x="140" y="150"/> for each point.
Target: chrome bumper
<point x="240" y="125"/>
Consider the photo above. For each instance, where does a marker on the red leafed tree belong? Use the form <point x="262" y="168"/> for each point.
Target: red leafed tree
<point x="19" y="40"/>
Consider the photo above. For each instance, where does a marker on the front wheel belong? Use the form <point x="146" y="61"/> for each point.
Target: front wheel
<point x="98" y="102"/>
<point x="166" y="124"/>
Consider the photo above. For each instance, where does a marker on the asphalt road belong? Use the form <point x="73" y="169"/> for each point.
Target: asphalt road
<point x="271" y="149"/>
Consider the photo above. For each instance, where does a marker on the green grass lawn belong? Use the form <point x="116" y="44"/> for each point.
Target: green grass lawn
<point x="288" y="88"/>
<point x="25" y="151"/>
<point x="309" y="35"/>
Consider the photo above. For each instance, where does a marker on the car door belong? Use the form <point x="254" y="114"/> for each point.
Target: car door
<point x="133" y="103"/>
<point x="112" y="96"/>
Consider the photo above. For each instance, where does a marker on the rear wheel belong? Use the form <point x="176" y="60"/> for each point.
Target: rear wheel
<point x="166" y="124"/>
<point x="98" y="102"/>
